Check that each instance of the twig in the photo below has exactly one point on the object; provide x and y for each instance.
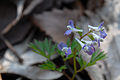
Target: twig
(20, 5)
(11, 47)
(67, 75)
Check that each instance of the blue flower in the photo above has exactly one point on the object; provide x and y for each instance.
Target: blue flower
(63, 47)
(97, 38)
(88, 42)
(71, 28)
(98, 41)
(99, 29)
(96, 28)
(88, 48)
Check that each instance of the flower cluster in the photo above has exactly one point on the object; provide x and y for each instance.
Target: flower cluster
(98, 33)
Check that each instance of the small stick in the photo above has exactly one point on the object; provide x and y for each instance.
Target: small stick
(20, 6)
(11, 47)
(67, 75)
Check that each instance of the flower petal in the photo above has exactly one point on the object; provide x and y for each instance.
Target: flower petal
(71, 23)
(98, 43)
(61, 45)
(76, 30)
(103, 34)
(68, 52)
(68, 32)
(101, 25)
(91, 50)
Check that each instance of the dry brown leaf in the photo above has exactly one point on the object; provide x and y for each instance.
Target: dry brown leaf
(54, 22)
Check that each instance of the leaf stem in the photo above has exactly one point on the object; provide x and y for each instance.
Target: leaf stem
(75, 69)
(80, 69)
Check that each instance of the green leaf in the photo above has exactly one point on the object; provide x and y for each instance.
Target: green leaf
(68, 42)
(48, 66)
(101, 56)
(91, 63)
(81, 61)
(91, 37)
(68, 57)
(37, 50)
(80, 33)
(62, 53)
(75, 45)
(94, 55)
(45, 48)
(61, 68)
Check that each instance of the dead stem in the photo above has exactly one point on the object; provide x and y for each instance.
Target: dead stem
(67, 75)
(11, 47)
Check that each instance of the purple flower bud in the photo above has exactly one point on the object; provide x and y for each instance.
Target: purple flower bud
(101, 24)
(102, 34)
(63, 47)
(71, 23)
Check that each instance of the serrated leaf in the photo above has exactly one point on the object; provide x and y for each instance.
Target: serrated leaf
(94, 55)
(36, 50)
(101, 57)
(61, 68)
(81, 61)
(48, 66)
(45, 48)
(91, 63)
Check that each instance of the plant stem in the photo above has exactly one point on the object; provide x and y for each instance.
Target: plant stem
(74, 75)
(80, 70)
(85, 35)
(75, 69)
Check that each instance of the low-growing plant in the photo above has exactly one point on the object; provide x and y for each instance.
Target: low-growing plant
(73, 48)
